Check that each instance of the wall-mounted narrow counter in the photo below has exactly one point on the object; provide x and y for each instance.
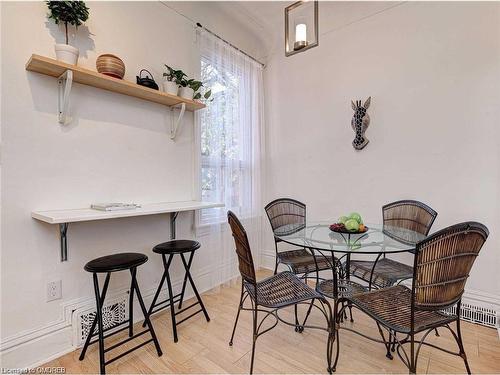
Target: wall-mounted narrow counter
(64, 217)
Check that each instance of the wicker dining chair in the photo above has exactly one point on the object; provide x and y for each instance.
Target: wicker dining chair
(287, 215)
(404, 214)
(279, 291)
(441, 267)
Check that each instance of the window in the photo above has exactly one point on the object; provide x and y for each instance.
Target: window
(225, 172)
(230, 131)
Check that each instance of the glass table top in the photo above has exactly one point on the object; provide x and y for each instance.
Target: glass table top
(378, 239)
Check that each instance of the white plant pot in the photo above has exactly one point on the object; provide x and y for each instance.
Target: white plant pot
(186, 92)
(170, 87)
(67, 54)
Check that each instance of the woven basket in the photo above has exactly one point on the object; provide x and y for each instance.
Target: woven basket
(110, 65)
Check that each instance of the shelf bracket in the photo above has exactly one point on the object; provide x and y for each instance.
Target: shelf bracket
(63, 230)
(173, 217)
(64, 82)
(175, 123)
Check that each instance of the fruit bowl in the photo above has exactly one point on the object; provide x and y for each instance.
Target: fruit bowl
(340, 228)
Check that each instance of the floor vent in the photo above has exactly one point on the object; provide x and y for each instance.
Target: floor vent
(114, 313)
(476, 314)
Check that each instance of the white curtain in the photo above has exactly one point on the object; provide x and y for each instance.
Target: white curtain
(230, 148)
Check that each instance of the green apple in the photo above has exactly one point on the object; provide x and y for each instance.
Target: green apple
(356, 217)
(352, 225)
(342, 219)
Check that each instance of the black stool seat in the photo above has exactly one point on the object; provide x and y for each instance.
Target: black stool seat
(116, 262)
(176, 247)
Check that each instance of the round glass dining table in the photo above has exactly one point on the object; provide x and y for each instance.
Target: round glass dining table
(337, 249)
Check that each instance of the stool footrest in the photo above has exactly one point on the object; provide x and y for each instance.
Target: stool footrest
(167, 301)
(189, 316)
(110, 328)
(125, 341)
(109, 335)
(128, 351)
(186, 308)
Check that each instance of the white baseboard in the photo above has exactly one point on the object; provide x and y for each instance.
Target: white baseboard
(35, 347)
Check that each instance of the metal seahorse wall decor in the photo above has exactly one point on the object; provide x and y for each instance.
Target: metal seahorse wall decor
(360, 122)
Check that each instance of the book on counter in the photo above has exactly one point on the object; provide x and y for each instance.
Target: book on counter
(114, 206)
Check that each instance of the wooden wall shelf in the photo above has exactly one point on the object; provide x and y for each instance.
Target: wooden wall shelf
(54, 68)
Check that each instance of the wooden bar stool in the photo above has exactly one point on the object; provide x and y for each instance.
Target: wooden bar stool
(171, 248)
(108, 264)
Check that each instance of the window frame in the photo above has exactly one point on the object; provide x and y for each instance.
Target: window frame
(215, 216)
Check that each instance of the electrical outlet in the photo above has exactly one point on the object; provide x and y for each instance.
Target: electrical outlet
(54, 290)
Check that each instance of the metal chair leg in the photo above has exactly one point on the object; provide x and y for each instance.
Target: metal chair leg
(185, 281)
(133, 272)
(387, 343)
(94, 323)
(193, 286)
(170, 295)
(237, 314)
(131, 311)
(461, 346)
(254, 338)
(296, 318)
(301, 327)
(394, 341)
(349, 305)
(412, 368)
(102, 360)
(157, 294)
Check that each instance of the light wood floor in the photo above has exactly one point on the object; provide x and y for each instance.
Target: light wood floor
(203, 347)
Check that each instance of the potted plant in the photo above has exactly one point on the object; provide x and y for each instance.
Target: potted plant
(185, 91)
(197, 87)
(171, 79)
(68, 13)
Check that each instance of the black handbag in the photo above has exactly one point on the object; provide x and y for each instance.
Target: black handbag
(146, 81)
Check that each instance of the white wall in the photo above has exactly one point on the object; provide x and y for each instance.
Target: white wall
(433, 71)
(116, 149)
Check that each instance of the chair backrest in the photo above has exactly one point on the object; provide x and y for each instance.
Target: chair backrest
(408, 214)
(286, 212)
(443, 262)
(245, 259)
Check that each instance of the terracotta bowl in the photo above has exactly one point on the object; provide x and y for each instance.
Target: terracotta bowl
(110, 65)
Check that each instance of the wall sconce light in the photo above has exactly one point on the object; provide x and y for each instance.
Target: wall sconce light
(301, 27)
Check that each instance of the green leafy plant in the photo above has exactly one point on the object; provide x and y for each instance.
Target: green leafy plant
(68, 12)
(181, 78)
(184, 81)
(197, 86)
(174, 75)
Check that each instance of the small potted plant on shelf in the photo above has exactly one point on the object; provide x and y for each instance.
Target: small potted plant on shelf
(171, 80)
(192, 89)
(68, 13)
(185, 91)
(197, 87)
